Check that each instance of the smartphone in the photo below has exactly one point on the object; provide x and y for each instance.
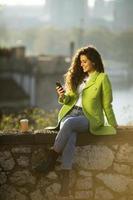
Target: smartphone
(58, 84)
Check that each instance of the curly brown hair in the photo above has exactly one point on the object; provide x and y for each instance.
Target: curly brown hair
(75, 73)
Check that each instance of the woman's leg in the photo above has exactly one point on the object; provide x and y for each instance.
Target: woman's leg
(68, 152)
(66, 158)
(66, 138)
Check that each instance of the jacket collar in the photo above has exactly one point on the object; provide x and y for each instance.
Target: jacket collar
(89, 82)
(92, 79)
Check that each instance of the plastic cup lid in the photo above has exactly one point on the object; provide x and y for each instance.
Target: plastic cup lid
(24, 120)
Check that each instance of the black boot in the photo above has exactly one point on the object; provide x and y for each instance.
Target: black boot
(48, 165)
(65, 182)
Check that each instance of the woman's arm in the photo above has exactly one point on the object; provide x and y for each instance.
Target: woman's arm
(64, 100)
(107, 99)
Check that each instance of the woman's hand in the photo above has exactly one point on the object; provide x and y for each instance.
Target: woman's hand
(60, 91)
(116, 126)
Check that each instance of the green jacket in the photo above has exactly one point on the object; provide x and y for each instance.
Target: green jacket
(96, 99)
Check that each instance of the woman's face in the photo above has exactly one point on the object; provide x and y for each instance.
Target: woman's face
(86, 64)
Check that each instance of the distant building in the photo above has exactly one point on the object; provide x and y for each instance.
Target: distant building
(67, 13)
(29, 81)
(123, 14)
(99, 9)
(116, 15)
(17, 80)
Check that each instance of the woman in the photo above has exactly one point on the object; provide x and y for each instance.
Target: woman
(86, 96)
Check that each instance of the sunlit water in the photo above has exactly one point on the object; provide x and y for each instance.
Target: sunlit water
(123, 106)
(122, 86)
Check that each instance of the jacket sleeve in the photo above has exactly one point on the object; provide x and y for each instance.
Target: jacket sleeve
(107, 99)
(64, 100)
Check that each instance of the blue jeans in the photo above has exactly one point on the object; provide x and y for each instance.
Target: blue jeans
(73, 123)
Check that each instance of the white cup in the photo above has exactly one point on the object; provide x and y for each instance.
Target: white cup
(24, 125)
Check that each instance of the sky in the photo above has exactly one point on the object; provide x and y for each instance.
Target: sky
(34, 2)
(22, 2)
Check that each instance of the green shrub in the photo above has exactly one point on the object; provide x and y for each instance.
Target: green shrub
(38, 119)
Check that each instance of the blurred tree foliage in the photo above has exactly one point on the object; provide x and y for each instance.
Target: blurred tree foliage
(38, 119)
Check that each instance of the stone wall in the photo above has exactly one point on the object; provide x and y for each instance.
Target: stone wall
(102, 168)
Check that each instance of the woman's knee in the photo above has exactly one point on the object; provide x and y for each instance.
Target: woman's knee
(68, 123)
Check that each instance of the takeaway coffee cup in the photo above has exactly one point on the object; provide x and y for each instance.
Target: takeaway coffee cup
(24, 125)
